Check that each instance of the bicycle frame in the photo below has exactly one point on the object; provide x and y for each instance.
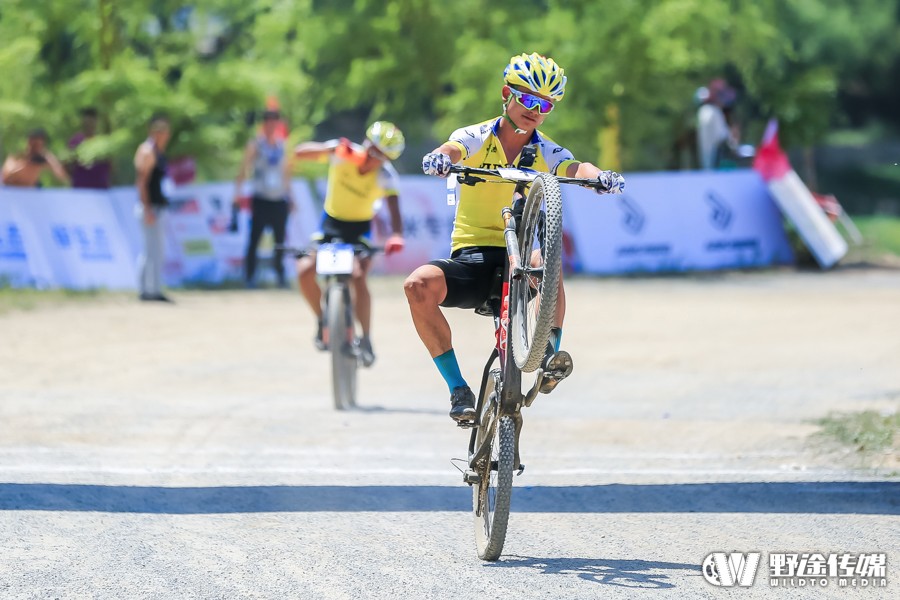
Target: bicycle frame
(509, 380)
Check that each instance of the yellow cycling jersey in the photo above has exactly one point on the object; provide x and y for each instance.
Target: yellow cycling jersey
(352, 195)
(478, 221)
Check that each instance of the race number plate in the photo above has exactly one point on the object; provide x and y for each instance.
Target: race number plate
(452, 190)
(334, 259)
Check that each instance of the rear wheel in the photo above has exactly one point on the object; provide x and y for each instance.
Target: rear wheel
(533, 297)
(491, 495)
(343, 354)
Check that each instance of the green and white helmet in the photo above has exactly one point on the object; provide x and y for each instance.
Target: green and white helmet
(387, 137)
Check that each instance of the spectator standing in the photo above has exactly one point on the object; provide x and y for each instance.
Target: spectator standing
(714, 136)
(24, 170)
(97, 174)
(271, 202)
(150, 165)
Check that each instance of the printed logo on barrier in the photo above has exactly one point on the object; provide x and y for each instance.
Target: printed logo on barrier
(11, 244)
(634, 218)
(721, 213)
(91, 243)
(728, 570)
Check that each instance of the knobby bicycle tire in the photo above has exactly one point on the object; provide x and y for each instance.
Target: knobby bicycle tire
(492, 495)
(343, 362)
(534, 298)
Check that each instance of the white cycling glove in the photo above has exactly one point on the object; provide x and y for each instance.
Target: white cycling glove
(612, 183)
(436, 163)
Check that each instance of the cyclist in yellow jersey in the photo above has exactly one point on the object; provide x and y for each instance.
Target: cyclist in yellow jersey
(533, 84)
(358, 176)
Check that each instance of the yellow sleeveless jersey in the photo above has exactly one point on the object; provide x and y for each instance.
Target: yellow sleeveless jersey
(352, 195)
(478, 221)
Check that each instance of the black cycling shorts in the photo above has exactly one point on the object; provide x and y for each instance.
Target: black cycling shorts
(349, 232)
(469, 275)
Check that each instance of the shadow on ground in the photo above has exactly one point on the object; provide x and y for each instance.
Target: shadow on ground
(881, 498)
(624, 573)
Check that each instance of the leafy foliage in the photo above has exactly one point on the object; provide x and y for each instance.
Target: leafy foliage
(433, 67)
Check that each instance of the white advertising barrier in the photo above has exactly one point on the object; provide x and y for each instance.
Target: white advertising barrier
(202, 246)
(665, 222)
(427, 224)
(76, 234)
(675, 222)
(23, 261)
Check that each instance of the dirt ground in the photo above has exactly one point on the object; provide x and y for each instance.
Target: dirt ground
(161, 445)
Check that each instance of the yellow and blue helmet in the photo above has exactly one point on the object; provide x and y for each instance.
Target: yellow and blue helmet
(387, 137)
(538, 73)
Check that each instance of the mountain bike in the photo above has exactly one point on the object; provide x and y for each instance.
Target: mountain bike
(523, 307)
(335, 262)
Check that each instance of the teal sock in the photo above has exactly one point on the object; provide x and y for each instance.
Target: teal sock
(556, 338)
(449, 368)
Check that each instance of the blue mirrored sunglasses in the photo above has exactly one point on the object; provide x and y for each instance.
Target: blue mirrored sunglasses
(530, 101)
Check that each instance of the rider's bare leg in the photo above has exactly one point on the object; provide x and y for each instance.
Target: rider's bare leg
(362, 300)
(560, 305)
(309, 287)
(537, 261)
(425, 289)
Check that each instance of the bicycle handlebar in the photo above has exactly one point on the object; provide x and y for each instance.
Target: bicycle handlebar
(470, 176)
(363, 250)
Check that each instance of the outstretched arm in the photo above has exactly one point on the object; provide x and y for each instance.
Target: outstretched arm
(613, 182)
(315, 150)
(450, 150)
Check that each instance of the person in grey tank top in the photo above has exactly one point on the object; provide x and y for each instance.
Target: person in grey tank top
(269, 167)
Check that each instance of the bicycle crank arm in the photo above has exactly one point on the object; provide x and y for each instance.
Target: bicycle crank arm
(533, 392)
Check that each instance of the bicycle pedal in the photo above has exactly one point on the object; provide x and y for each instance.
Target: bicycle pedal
(465, 424)
(521, 469)
(471, 477)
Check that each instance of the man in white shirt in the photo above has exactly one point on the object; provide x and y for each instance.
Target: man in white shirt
(712, 127)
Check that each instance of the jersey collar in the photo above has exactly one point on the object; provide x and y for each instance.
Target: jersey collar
(495, 129)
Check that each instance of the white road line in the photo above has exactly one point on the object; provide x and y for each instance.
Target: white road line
(408, 472)
(224, 453)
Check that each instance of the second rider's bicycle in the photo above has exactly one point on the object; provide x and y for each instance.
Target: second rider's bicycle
(523, 307)
(335, 263)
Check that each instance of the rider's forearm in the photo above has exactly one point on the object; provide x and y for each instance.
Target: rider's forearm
(584, 170)
(314, 150)
(450, 150)
(393, 203)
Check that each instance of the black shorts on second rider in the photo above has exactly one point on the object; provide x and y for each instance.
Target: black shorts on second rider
(469, 274)
(349, 232)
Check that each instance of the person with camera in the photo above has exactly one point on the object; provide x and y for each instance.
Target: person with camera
(24, 170)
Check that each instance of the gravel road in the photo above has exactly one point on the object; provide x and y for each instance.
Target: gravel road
(191, 451)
